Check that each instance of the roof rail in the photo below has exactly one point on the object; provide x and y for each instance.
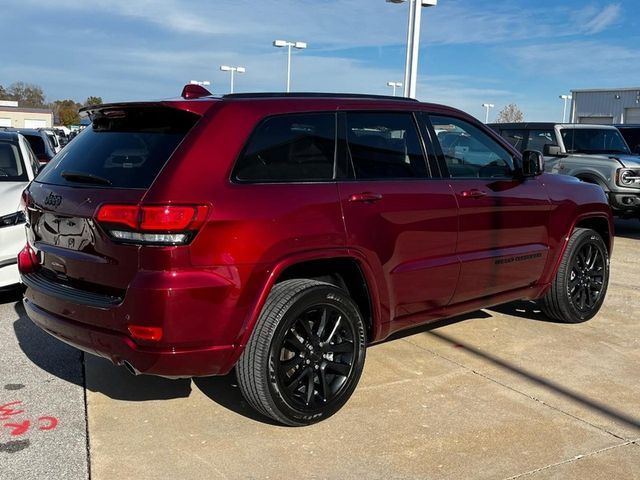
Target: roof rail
(316, 95)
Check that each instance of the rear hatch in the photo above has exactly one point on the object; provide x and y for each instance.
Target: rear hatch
(113, 162)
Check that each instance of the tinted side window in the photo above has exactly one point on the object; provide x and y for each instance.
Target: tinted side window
(539, 138)
(37, 144)
(469, 152)
(11, 166)
(384, 145)
(516, 138)
(295, 147)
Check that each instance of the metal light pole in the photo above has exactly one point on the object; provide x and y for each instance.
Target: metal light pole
(487, 106)
(284, 43)
(564, 110)
(413, 43)
(226, 68)
(204, 83)
(394, 85)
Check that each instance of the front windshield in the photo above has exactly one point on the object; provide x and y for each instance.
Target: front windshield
(11, 165)
(593, 140)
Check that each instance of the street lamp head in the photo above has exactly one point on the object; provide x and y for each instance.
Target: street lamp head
(279, 43)
(300, 45)
(488, 105)
(565, 97)
(225, 68)
(424, 3)
(241, 69)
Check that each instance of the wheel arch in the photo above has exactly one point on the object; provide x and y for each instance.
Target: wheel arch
(594, 178)
(343, 272)
(338, 267)
(599, 222)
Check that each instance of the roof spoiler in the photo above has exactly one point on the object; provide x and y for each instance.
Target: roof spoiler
(192, 90)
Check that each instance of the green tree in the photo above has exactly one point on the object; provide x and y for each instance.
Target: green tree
(510, 114)
(27, 95)
(65, 112)
(93, 101)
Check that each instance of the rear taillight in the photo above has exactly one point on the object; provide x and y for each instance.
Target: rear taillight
(141, 332)
(27, 260)
(152, 224)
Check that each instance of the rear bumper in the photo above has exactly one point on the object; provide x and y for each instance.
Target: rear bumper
(119, 348)
(200, 314)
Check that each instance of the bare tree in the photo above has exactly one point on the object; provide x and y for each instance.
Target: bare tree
(26, 94)
(510, 114)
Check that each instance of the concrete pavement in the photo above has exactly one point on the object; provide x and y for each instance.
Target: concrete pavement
(42, 402)
(500, 393)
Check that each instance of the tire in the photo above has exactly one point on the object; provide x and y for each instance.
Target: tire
(580, 285)
(305, 355)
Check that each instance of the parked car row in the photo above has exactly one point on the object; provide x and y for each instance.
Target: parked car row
(595, 154)
(281, 234)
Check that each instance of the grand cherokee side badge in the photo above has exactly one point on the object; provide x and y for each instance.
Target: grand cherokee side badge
(53, 200)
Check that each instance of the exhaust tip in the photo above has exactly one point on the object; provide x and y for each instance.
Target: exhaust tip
(130, 368)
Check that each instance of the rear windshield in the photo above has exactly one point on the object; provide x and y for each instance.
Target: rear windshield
(11, 164)
(124, 148)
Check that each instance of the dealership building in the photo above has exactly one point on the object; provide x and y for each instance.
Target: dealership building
(11, 115)
(612, 106)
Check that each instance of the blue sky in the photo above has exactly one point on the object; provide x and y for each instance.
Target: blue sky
(472, 51)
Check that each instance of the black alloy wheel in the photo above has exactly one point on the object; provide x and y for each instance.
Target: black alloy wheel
(315, 357)
(580, 285)
(587, 276)
(306, 353)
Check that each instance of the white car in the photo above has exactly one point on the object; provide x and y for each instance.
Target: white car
(18, 166)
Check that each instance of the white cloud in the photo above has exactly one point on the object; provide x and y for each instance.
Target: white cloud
(597, 60)
(592, 20)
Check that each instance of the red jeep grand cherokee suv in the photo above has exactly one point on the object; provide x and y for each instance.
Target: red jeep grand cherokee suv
(282, 234)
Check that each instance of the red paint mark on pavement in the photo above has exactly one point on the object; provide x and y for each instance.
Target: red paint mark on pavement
(18, 428)
(6, 411)
(50, 423)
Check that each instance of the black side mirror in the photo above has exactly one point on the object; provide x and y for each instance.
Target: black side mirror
(532, 163)
(550, 150)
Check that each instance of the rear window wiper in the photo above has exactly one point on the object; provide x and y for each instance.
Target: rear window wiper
(81, 177)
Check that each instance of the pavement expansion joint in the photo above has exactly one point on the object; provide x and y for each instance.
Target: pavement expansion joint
(86, 412)
(569, 460)
(515, 390)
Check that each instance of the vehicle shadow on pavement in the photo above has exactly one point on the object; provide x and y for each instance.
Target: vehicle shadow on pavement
(629, 228)
(53, 356)
(224, 391)
(44, 351)
(118, 384)
(540, 381)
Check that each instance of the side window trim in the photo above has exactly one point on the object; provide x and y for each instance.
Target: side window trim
(440, 164)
